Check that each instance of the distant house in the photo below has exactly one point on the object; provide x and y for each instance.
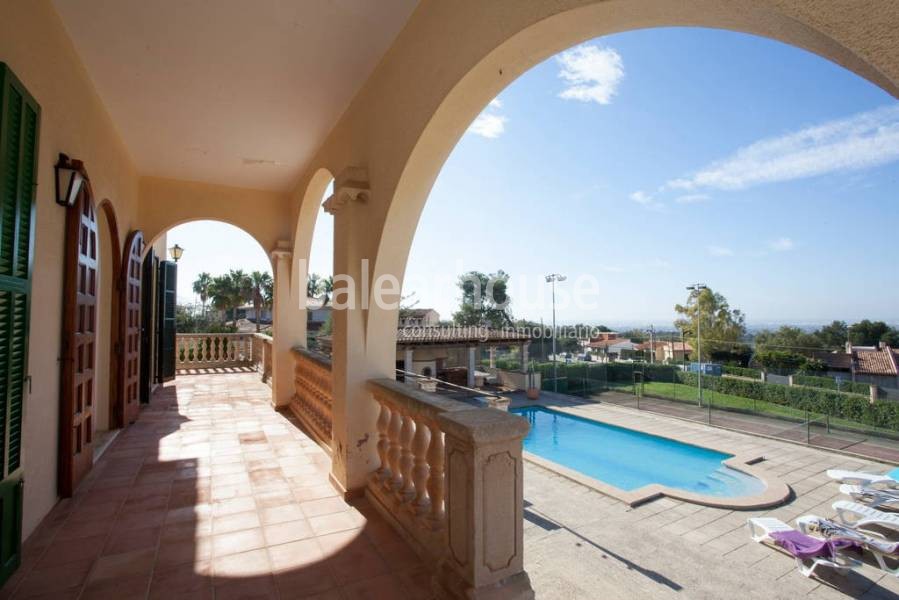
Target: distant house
(877, 365)
(608, 346)
(666, 352)
(419, 317)
(316, 315)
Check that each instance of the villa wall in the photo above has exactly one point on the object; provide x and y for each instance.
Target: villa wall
(35, 45)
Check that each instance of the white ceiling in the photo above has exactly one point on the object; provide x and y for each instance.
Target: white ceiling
(237, 92)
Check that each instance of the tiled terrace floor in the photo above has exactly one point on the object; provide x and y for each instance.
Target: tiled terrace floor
(212, 494)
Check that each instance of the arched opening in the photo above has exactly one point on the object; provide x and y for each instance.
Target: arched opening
(214, 303)
(313, 260)
(106, 419)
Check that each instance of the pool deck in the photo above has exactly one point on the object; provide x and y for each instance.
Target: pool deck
(581, 543)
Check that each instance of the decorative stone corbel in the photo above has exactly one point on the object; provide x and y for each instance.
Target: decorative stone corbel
(350, 185)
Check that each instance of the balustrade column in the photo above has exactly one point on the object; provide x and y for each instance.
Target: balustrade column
(420, 468)
(436, 475)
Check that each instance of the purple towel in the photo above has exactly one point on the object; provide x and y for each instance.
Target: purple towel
(805, 546)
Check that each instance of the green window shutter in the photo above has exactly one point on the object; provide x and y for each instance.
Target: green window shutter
(19, 134)
(167, 284)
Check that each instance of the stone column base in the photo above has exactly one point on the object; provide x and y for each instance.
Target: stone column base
(447, 585)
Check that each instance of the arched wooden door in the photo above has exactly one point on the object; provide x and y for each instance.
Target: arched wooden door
(130, 326)
(79, 344)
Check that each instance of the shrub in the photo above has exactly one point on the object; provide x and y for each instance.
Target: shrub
(853, 407)
(829, 383)
(742, 372)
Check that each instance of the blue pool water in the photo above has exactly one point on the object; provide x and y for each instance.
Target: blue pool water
(629, 459)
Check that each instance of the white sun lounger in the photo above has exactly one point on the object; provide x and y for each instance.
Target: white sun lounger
(863, 517)
(873, 497)
(761, 528)
(871, 480)
(880, 548)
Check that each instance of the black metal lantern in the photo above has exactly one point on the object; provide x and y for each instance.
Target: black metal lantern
(69, 180)
(175, 252)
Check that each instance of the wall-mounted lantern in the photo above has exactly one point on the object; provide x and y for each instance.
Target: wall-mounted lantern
(175, 252)
(70, 177)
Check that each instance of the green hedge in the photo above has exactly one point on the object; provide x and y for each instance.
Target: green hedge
(742, 372)
(829, 383)
(854, 407)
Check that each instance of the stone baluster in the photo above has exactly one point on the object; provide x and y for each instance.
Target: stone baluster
(394, 449)
(383, 442)
(436, 483)
(420, 468)
(407, 492)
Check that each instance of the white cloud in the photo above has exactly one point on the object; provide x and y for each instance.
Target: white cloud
(783, 244)
(591, 73)
(856, 142)
(692, 198)
(647, 200)
(720, 251)
(488, 126)
(641, 197)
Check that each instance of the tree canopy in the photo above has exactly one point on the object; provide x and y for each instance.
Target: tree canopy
(485, 301)
(709, 313)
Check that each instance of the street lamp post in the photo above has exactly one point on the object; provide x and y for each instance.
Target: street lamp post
(698, 287)
(175, 252)
(552, 278)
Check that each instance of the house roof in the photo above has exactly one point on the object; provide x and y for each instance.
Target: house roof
(839, 361)
(675, 346)
(875, 361)
(457, 335)
(623, 342)
(418, 312)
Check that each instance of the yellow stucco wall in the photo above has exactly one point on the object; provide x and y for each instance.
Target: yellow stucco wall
(34, 44)
(165, 203)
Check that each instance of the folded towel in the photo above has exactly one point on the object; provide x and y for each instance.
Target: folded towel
(805, 546)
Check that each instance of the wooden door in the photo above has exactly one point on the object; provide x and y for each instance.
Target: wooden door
(19, 135)
(148, 332)
(79, 344)
(130, 326)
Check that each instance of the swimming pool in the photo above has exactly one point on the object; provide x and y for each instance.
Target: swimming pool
(628, 459)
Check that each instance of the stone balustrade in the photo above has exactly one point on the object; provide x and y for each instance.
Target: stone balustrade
(450, 481)
(313, 395)
(213, 350)
(262, 356)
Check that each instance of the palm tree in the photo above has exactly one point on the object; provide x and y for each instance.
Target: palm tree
(313, 285)
(327, 288)
(230, 291)
(261, 284)
(202, 288)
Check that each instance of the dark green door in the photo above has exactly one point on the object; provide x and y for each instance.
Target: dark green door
(19, 133)
(167, 282)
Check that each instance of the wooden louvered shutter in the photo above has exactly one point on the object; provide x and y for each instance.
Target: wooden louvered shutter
(168, 281)
(19, 133)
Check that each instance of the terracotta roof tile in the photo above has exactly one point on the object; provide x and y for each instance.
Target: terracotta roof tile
(875, 362)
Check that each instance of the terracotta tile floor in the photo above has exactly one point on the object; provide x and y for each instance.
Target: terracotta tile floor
(212, 494)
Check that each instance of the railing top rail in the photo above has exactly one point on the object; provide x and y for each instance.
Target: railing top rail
(263, 337)
(313, 356)
(228, 335)
(470, 423)
(447, 384)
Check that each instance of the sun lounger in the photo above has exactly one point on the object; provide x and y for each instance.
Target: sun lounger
(871, 480)
(873, 497)
(881, 549)
(864, 517)
(809, 552)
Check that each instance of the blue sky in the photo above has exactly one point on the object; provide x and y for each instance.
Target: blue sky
(653, 159)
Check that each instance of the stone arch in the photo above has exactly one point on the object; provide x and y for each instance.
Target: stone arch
(308, 213)
(149, 241)
(510, 39)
